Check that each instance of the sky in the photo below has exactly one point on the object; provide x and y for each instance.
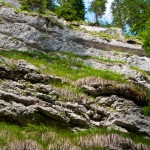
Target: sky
(107, 16)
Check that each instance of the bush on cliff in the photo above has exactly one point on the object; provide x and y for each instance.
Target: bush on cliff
(30, 5)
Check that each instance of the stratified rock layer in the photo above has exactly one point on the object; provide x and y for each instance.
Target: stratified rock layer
(27, 97)
(23, 31)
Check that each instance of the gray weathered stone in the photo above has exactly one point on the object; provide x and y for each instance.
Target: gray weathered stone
(27, 99)
(22, 31)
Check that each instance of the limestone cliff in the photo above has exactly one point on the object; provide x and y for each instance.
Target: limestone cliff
(52, 73)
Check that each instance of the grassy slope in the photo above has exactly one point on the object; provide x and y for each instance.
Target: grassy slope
(67, 66)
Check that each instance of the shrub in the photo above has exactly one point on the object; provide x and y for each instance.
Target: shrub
(66, 11)
(71, 9)
(30, 5)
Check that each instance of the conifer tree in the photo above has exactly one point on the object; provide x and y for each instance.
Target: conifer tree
(71, 9)
(98, 7)
(51, 5)
(80, 8)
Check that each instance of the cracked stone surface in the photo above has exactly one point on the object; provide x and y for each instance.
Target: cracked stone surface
(26, 101)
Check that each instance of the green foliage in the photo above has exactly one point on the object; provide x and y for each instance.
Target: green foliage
(30, 5)
(50, 4)
(146, 109)
(5, 4)
(146, 38)
(102, 59)
(125, 12)
(138, 15)
(98, 7)
(80, 9)
(66, 11)
(119, 13)
(71, 9)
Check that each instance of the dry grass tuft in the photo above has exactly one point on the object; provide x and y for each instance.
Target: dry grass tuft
(109, 142)
(69, 95)
(63, 144)
(26, 145)
(48, 136)
(107, 87)
(95, 80)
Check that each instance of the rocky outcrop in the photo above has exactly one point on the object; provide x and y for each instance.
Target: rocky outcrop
(25, 100)
(112, 31)
(23, 31)
(135, 76)
(30, 106)
(13, 69)
(95, 87)
(28, 96)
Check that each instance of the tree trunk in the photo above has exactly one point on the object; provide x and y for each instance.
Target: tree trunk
(96, 17)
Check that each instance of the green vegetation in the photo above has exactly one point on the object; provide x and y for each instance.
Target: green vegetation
(101, 59)
(67, 66)
(70, 67)
(146, 109)
(37, 5)
(139, 70)
(102, 35)
(98, 7)
(126, 13)
(146, 37)
(68, 9)
(109, 60)
(71, 9)
(31, 5)
(5, 4)
(56, 138)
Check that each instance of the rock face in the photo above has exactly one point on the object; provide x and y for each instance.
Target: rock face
(14, 3)
(113, 31)
(28, 96)
(25, 100)
(134, 75)
(23, 31)
(95, 87)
